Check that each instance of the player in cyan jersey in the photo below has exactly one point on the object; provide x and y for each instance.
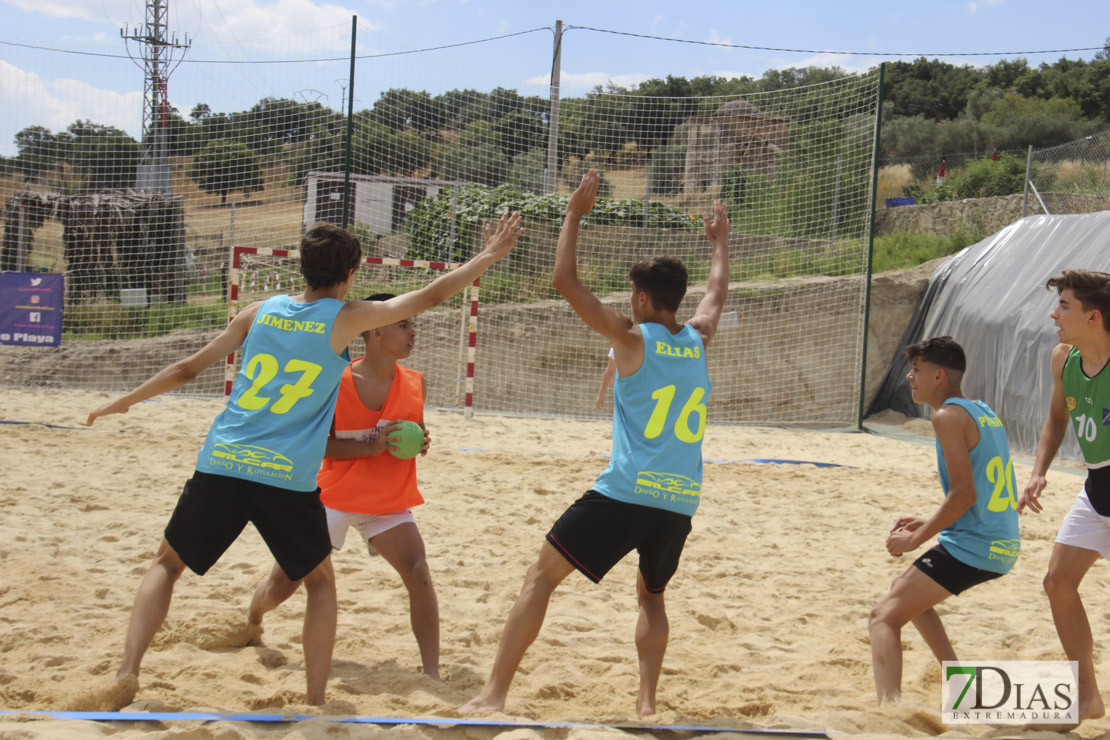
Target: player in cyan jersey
(977, 523)
(1081, 393)
(644, 500)
(260, 459)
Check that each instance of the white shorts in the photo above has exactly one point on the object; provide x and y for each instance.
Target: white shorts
(1085, 528)
(369, 525)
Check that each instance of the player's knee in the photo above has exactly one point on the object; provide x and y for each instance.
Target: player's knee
(416, 574)
(1057, 586)
(881, 613)
(322, 576)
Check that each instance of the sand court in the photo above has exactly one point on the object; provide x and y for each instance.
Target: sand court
(768, 610)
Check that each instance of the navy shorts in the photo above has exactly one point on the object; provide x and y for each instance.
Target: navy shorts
(597, 531)
(953, 575)
(214, 509)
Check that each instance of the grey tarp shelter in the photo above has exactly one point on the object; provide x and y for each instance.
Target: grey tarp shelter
(991, 298)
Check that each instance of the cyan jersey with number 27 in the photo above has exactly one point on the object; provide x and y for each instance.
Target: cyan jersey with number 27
(659, 415)
(275, 426)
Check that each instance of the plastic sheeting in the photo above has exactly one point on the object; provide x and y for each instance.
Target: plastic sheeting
(991, 298)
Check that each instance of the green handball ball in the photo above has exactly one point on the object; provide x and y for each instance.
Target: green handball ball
(410, 443)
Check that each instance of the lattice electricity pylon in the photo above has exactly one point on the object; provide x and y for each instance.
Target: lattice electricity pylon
(157, 64)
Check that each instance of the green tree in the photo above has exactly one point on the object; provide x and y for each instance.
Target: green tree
(37, 150)
(518, 132)
(223, 166)
(104, 157)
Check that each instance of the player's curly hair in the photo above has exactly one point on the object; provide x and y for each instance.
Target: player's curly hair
(663, 279)
(1091, 289)
(328, 253)
(940, 351)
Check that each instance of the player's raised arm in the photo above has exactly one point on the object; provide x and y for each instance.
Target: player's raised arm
(359, 316)
(599, 317)
(184, 371)
(708, 314)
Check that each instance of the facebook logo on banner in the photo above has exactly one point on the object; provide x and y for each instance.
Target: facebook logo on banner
(31, 308)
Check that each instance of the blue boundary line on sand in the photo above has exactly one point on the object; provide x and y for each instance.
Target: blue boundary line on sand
(440, 721)
(37, 424)
(767, 460)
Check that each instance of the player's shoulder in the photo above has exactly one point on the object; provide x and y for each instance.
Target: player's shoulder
(950, 417)
(1060, 355)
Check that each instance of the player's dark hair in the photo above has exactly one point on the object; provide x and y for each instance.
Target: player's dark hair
(328, 253)
(1091, 289)
(663, 279)
(380, 297)
(940, 351)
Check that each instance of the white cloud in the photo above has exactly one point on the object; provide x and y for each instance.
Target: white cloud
(573, 84)
(974, 6)
(716, 38)
(846, 62)
(28, 99)
(65, 8)
(656, 21)
(257, 25)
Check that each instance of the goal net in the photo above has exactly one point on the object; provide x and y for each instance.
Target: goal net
(436, 148)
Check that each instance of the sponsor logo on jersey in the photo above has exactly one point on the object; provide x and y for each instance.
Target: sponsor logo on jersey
(258, 457)
(1071, 403)
(1005, 548)
(1105, 417)
(668, 483)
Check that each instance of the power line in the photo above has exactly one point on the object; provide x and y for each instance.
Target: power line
(579, 28)
(845, 53)
(288, 61)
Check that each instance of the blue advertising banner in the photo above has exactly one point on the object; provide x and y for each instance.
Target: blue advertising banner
(31, 308)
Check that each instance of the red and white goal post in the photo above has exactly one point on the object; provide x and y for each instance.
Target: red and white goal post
(257, 273)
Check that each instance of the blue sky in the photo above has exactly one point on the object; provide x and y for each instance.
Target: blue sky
(53, 89)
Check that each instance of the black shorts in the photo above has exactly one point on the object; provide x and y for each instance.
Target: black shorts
(214, 509)
(597, 531)
(952, 575)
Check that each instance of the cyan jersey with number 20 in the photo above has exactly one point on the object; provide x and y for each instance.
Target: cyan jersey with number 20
(658, 424)
(986, 535)
(275, 426)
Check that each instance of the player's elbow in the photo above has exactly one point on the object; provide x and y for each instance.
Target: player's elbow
(184, 371)
(963, 497)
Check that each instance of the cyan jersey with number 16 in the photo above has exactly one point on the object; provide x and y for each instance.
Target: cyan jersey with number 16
(658, 424)
(275, 426)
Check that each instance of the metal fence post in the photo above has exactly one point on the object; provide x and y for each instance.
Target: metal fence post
(1028, 172)
(350, 127)
(553, 115)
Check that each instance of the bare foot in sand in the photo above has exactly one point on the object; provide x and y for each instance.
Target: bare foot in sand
(483, 703)
(109, 697)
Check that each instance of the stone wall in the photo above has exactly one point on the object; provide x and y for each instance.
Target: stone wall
(981, 215)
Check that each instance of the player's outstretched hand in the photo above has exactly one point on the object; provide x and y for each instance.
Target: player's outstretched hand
(716, 231)
(112, 407)
(582, 200)
(501, 242)
(1031, 496)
